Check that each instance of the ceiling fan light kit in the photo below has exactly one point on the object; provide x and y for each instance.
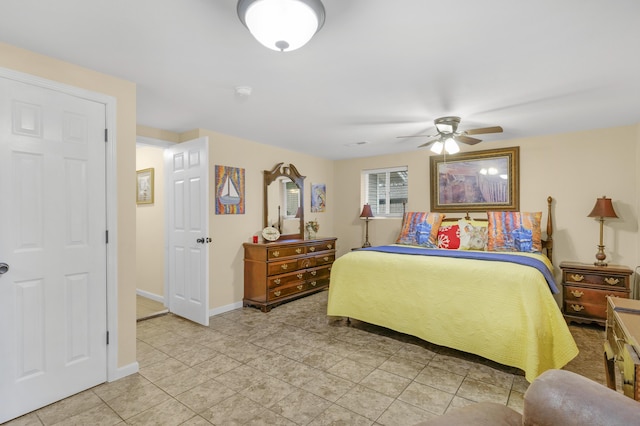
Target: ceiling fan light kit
(282, 25)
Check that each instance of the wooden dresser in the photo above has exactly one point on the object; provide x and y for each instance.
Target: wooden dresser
(586, 286)
(284, 270)
(622, 344)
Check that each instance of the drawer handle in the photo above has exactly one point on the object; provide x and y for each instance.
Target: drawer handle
(285, 266)
(312, 249)
(577, 277)
(611, 280)
(313, 283)
(299, 276)
(298, 250)
(326, 258)
(314, 273)
(577, 293)
(299, 287)
(276, 253)
(277, 293)
(329, 246)
(577, 308)
(277, 281)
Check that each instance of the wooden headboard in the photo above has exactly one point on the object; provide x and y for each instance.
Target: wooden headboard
(547, 244)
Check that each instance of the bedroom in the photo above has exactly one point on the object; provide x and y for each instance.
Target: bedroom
(573, 167)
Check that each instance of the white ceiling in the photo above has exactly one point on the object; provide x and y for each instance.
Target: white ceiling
(377, 69)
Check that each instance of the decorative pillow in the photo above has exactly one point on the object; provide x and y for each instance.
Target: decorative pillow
(420, 229)
(449, 237)
(473, 235)
(515, 231)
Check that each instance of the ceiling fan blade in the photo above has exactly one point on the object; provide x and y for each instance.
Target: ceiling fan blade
(467, 140)
(416, 136)
(483, 130)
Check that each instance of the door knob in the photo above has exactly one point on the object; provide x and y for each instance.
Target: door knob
(200, 241)
(4, 268)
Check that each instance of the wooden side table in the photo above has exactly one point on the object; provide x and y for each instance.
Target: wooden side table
(586, 286)
(621, 345)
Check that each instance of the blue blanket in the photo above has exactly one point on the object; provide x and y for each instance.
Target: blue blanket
(478, 255)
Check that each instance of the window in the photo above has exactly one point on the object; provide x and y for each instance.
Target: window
(292, 198)
(386, 190)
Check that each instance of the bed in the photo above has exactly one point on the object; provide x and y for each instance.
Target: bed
(498, 305)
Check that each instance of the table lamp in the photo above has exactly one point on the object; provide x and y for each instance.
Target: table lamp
(366, 214)
(602, 209)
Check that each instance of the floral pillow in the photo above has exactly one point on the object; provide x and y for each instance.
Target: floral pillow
(420, 229)
(473, 235)
(449, 237)
(515, 231)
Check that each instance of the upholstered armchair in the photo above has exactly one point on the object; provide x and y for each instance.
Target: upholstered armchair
(556, 397)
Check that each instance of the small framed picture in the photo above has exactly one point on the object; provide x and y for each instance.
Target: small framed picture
(144, 186)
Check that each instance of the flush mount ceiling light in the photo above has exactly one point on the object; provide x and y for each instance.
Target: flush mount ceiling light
(282, 25)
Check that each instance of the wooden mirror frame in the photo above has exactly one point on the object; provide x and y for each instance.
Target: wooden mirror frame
(290, 171)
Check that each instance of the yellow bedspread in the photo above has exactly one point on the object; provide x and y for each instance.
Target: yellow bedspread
(501, 311)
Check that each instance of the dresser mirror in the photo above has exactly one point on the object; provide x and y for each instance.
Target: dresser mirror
(284, 201)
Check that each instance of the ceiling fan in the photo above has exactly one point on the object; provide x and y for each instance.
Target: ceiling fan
(448, 135)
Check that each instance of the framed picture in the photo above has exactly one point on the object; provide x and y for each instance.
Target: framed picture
(230, 194)
(476, 181)
(318, 197)
(144, 186)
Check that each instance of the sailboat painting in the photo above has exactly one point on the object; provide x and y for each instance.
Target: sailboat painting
(229, 190)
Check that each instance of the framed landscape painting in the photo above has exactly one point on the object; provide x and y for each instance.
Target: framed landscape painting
(476, 181)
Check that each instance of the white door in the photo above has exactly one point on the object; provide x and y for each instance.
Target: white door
(52, 241)
(187, 177)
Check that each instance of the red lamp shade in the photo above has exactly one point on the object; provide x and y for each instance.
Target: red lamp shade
(366, 211)
(603, 208)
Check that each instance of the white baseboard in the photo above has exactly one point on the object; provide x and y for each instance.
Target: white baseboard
(121, 372)
(151, 296)
(223, 309)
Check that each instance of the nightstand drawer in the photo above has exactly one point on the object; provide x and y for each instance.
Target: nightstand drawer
(590, 295)
(602, 280)
(587, 310)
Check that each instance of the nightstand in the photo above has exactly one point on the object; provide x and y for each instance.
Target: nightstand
(586, 286)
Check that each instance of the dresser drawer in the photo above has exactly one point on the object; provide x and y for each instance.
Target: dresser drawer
(286, 279)
(275, 268)
(320, 272)
(284, 252)
(326, 258)
(289, 290)
(587, 310)
(590, 295)
(319, 247)
(608, 280)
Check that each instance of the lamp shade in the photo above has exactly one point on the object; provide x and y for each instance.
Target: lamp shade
(366, 211)
(282, 25)
(603, 208)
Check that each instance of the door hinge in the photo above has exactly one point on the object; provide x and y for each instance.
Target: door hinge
(106, 236)
(107, 337)
(106, 135)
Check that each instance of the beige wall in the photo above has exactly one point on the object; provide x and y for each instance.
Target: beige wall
(574, 168)
(125, 94)
(150, 226)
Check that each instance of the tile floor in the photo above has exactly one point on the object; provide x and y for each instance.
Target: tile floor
(294, 366)
(148, 308)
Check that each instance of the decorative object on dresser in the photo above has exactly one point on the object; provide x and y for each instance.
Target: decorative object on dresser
(366, 214)
(602, 209)
(586, 287)
(285, 270)
(622, 344)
